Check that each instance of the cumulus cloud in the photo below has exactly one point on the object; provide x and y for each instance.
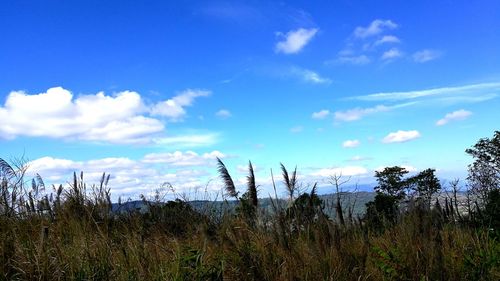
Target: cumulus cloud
(391, 54)
(295, 40)
(322, 114)
(466, 91)
(121, 118)
(223, 114)
(426, 55)
(374, 28)
(184, 170)
(57, 114)
(401, 136)
(454, 116)
(351, 143)
(174, 108)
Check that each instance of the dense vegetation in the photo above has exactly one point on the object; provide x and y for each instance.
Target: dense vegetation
(407, 233)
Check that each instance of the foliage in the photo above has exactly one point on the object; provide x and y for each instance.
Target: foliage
(384, 209)
(484, 172)
(425, 184)
(391, 182)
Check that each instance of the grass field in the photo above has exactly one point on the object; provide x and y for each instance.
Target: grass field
(73, 234)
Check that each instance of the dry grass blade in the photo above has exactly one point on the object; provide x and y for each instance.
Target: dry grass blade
(290, 182)
(226, 177)
(252, 188)
(6, 169)
(39, 181)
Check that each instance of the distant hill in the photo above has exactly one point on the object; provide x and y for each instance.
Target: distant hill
(356, 199)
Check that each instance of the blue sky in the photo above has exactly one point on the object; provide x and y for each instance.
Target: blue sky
(152, 92)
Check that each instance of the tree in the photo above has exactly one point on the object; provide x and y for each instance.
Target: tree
(425, 184)
(391, 181)
(484, 172)
(384, 208)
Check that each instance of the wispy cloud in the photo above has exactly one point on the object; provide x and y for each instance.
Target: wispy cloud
(460, 91)
(296, 129)
(426, 55)
(358, 158)
(349, 59)
(454, 116)
(322, 114)
(232, 11)
(223, 114)
(351, 143)
(193, 140)
(374, 28)
(391, 54)
(366, 43)
(401, 136)
(295, 40)
(386, 39)
(344, 171)
(187, 158)
(358, 112)
(309, 76)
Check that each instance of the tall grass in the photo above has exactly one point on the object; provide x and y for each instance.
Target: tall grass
(72, 234)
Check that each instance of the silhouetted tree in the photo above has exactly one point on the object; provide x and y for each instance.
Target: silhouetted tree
(484, 173)
(425, 184)
(384, 208)
(391, 181)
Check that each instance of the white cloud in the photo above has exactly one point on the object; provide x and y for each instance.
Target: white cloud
(386, 39)
(322, 114)
(344, 171)
(391, 54)
(454, 116)
(194, 140)
(460, 91)
(401, 136)
(355, 60)
(351, 143)
(174, 108)
(358, 113)
(120, 118)
(295, 40)
(57, 114)
(358, 158)
(309, 76)
(223, 114)
(426, 55)
(179, 158)
(296, 129)
(184, 170)
(376, 27)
